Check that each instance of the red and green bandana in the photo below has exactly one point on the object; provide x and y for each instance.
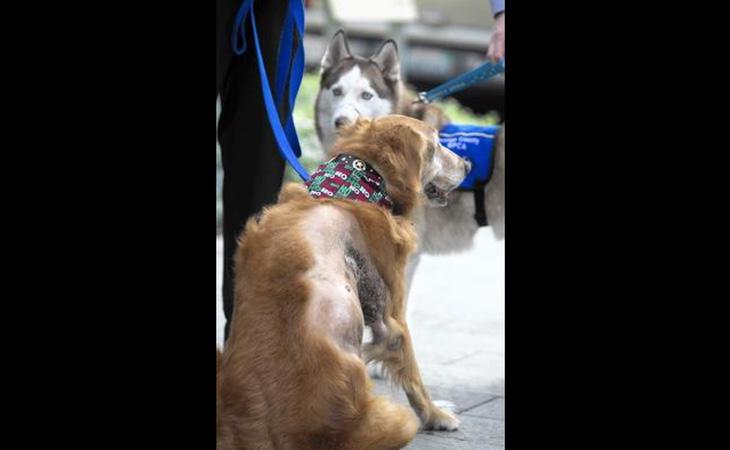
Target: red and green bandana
(346, 176)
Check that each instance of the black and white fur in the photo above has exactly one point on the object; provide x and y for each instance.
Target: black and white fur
(352, 87)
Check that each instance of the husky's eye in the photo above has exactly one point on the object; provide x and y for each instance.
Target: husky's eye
(366, 95)
(337, 92)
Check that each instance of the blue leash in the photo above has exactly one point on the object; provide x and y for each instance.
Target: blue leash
(285, 135)
(463, 81)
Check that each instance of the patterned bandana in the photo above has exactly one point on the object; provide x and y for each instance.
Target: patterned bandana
(346, 176)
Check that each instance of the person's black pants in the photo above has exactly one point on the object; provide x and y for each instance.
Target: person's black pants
(252, 167)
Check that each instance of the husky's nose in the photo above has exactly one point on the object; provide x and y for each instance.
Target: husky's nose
(341, 121)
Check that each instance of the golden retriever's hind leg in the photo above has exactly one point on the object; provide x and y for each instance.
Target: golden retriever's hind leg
(385, 426)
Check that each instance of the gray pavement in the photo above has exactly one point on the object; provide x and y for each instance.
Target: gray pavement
(456, 317)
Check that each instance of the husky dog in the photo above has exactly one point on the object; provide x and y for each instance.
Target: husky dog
(352, 86)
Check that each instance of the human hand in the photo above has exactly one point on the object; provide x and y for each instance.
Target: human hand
(496, 43)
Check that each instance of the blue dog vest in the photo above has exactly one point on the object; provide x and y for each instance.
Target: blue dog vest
(474, 143)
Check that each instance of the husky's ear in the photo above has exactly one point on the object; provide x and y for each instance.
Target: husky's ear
(386, 57)
(336, 51)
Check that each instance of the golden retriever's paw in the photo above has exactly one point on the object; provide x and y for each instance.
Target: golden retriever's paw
(442, 417)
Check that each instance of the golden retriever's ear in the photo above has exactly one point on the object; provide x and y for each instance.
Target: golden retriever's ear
(406, 157)
(409, 141)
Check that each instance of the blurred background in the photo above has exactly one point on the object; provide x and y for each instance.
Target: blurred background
(437, 40)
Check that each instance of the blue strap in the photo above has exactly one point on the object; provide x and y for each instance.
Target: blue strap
(285, 49)
(463, 81)
(296, 10)
(287, 141)
(296, 13)
(283, 69)
(239, 47)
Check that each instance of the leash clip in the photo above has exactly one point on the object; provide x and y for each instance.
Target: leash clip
(423, 98)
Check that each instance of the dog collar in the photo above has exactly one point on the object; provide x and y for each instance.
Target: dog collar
(346, 176)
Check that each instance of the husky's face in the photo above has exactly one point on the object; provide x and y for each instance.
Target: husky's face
(353, 87)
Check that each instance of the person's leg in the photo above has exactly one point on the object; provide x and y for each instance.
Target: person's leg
(252, 167)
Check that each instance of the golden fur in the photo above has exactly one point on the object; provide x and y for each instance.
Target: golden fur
(292, 374)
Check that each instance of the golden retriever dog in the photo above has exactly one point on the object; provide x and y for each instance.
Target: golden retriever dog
(311, 274)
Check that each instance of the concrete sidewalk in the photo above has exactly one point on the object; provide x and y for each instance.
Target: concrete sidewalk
(456, 317)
